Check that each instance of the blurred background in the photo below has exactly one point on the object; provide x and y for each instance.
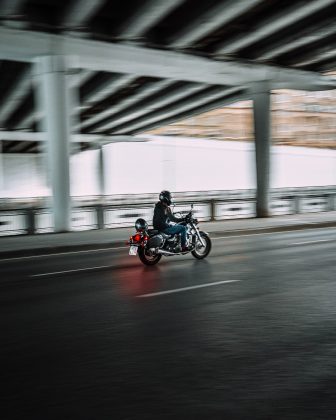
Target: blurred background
(303, 153)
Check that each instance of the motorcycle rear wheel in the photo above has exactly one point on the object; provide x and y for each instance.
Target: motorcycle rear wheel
(200, 251)
(148, 259)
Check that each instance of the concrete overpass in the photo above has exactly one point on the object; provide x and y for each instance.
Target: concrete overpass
(110, 68)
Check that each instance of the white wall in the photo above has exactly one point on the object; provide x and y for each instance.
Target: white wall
(177, 164)
(302, 166)
(23, 175)
(84, 173)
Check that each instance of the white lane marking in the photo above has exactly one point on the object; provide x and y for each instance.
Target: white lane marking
(284, 232)
(124, 247)
(63, 253)
(183, 289)
(71, 271)
(313, 242)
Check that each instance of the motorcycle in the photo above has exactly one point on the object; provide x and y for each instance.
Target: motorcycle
(150, 244)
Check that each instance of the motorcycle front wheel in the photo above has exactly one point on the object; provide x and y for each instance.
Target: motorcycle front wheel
(147, 259)
(201, 251)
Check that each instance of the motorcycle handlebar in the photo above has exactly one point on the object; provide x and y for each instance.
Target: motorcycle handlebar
(189, 218)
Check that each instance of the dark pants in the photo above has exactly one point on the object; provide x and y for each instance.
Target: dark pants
(173, 230)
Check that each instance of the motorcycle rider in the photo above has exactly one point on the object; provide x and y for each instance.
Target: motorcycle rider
(163, 214)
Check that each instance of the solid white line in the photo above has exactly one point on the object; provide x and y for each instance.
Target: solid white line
(313, 242)
(183, 289)
(71, 271)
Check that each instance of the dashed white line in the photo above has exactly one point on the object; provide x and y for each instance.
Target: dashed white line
(55, 254)
(71, 271)
(312, 242)
(183, 289)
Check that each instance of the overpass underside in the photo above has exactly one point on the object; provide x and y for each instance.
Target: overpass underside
(88, 72)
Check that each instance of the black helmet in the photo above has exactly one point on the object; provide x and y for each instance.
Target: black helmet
(141, 225)
(165, 197)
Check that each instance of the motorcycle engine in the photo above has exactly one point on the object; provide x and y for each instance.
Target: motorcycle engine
(172, 245)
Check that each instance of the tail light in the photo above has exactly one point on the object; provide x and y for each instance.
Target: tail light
(137, 237)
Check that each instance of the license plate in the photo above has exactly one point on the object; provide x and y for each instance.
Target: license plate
(133, 250)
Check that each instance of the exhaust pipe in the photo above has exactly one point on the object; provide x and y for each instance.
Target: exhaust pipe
(163, 252)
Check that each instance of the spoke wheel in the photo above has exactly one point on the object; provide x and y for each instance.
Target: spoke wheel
(201, 251)
(147, 258)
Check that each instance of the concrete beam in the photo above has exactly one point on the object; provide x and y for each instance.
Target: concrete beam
(127, 102)
(79, 12)
(79, 79)
(9, 8)
(323, 54)
(152, 105)
(103, 56)
(275, 23)
(197, 110)
(16, 95)
(18, 147)
(108, 87)
(175, 109)
(23, 136)
(30, 148)
(74, 82)
(151, 12)
(214, 18)
(328, 66)
(296, 41)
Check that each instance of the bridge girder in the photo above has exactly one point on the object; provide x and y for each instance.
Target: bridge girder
(128, 59)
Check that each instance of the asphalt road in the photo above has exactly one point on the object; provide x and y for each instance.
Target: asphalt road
(248, 333)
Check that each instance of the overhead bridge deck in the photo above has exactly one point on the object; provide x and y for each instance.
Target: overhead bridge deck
(112, 68)
(144, 64)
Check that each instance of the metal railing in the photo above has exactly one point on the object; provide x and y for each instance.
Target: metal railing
(32, 216)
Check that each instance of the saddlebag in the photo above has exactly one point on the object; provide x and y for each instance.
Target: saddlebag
(155, 241)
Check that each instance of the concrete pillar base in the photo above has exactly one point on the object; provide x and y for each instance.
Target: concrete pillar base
(262, 213)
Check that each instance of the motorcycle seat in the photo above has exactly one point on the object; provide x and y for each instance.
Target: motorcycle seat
(167, 235)
(152, 232)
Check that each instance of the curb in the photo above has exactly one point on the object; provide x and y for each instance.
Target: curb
(114, 244)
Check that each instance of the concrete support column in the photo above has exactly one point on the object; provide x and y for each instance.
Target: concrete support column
(331, 202)
(55, 103)
(262, 132)
(101, 171)
(2, 172)
(101, 185)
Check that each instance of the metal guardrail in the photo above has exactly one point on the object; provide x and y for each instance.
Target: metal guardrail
(88, 213)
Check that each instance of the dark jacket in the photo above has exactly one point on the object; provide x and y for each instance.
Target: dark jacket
(162, 215)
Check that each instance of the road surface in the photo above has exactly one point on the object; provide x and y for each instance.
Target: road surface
(248, 333)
